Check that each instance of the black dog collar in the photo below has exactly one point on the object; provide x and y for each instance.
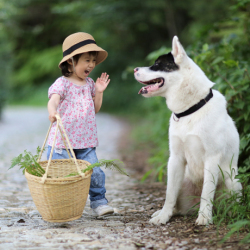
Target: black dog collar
(197, 106)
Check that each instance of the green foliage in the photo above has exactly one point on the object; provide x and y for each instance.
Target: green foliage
(114, 164)
(35, 31)
(155, 54)
(42, 62)
(239, 226)
(233, 208)
(223, 65)
(32, 96)
(38, 28)
(28, 162)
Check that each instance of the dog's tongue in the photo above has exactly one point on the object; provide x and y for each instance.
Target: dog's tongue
(147, 89)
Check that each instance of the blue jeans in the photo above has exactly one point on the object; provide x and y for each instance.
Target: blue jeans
(97, 184)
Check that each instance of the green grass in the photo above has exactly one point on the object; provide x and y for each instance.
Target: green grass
(233, 209)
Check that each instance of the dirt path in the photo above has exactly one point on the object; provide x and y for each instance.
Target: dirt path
(21, 226)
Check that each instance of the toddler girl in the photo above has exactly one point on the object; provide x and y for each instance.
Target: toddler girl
(76, 98)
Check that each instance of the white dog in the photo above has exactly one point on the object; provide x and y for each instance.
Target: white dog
(202, 137)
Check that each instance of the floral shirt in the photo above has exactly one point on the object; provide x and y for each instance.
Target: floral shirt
(77, 111)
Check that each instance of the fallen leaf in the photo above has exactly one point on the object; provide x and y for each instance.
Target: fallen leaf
(138, 244)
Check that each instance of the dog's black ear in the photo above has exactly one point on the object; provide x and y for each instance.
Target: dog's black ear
(177, 50)
(165, 63)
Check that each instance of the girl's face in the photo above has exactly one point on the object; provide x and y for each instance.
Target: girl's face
(84, 66)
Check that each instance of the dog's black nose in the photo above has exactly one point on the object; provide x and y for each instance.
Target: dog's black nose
(136, 69)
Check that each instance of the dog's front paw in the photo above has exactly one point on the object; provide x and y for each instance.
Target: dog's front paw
(156, 213)
(204, 220)
(160, 219)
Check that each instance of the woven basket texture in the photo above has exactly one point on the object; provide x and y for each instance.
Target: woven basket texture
(60, 198)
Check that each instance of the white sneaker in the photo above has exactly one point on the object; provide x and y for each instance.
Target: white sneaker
(102, 210)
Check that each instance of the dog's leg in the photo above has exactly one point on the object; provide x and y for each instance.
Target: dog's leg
(211, 175)
(176, 169)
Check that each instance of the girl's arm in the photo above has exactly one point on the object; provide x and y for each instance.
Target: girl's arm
(52, 106)
(98, 101)
(100, 85)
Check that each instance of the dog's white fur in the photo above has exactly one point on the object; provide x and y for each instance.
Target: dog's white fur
(199, 143)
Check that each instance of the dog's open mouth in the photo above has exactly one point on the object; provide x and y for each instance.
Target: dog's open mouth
(152, 85)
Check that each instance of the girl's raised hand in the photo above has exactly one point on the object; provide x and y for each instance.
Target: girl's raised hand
(102, 82)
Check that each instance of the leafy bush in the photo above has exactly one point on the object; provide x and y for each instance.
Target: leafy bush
(232, 77)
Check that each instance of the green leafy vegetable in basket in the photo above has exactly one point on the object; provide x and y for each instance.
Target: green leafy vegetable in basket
(29, 162)
(114, 164)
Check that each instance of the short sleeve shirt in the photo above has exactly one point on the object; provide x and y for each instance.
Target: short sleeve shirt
(77, 111)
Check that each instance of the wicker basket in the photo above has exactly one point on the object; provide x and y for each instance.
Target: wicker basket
(59, 198)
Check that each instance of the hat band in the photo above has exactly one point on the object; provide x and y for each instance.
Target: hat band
(77, 46)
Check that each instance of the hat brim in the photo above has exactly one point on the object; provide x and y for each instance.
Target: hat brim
(102, 54)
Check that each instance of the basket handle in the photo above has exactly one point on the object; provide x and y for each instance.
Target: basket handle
(62, 130)
(46, 138)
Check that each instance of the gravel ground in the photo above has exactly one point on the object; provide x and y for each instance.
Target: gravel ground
(22, 227)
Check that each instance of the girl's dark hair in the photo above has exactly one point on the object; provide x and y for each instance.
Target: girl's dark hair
(65, 66)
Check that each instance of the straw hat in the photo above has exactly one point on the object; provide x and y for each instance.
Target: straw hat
(81, 42)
